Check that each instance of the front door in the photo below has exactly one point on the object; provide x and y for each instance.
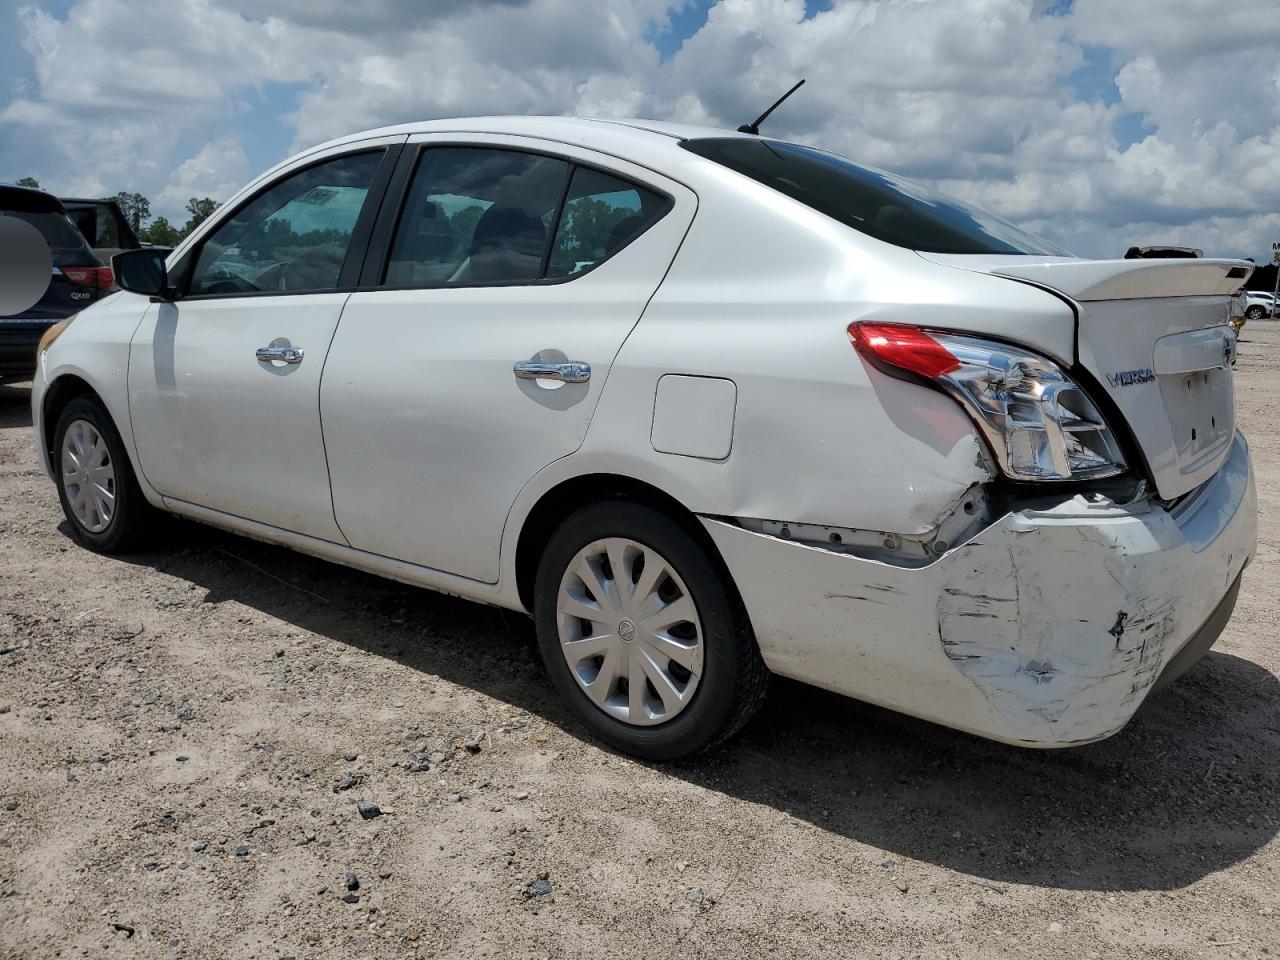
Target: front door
(224, 383)
(506, 263)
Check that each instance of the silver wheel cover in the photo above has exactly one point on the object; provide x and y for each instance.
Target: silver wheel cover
(88, 476)
(629, 631)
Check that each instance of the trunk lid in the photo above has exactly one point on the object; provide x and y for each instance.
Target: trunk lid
(1155, 334)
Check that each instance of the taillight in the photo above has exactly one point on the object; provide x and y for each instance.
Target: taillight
(1038, 422)
(903, 347)
(89, 276)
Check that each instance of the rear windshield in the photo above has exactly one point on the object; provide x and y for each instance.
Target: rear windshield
(879, 204)
(57, 230)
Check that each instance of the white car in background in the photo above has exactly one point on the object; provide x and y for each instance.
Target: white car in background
(1259, 304)
(708, 406)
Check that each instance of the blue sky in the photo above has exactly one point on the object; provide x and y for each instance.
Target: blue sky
(1096, 123)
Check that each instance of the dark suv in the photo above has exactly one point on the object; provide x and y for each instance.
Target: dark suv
(79, 278)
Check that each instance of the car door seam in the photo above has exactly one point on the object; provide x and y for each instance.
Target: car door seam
(128, 392)
(324, 448)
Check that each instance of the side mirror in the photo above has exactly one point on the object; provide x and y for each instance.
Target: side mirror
(142, 271)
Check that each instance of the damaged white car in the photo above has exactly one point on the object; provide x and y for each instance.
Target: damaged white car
(709, 406)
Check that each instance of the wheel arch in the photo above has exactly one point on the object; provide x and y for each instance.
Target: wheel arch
(570, 494)
(59, 393)
(70, 383)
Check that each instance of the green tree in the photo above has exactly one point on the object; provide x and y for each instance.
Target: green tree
(31, 182)
(463, 223)
(587, 225)
(136, 207)
(161, 232)
(200, 208)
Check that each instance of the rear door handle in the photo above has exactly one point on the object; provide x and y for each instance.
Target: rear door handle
(280, 354)
(570, 371)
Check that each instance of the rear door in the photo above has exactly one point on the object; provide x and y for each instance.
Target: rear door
(224, 383)
(509, 253)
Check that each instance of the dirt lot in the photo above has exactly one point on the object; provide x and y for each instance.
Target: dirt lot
(184, 736)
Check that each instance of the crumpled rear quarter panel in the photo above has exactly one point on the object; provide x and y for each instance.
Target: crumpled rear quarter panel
(1047, 629)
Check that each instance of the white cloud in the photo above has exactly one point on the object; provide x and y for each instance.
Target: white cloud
(218, 170)
(998, 101)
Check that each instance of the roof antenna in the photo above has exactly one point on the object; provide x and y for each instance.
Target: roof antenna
(754, 127)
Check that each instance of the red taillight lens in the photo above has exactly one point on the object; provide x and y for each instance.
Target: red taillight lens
(904, 347)
(89, 276)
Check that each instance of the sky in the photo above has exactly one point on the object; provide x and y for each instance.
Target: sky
(1098, 124)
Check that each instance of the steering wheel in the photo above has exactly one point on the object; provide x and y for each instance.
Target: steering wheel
(224, 282)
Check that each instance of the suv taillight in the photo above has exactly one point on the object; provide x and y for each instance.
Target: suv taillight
(99, 277)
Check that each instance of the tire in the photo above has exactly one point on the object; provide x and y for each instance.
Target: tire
(732, 680)
(1254, 313)
(131, 519)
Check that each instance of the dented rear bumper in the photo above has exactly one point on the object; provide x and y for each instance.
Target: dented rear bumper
(1049, 628)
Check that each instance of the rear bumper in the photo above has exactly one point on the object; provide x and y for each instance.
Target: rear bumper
(1047, 629)
(18, 342)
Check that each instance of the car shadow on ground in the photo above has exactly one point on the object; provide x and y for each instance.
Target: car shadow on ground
(1169, 800)
(1187, 789)
(15, 406)
(1183, 791)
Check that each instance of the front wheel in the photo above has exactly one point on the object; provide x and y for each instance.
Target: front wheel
(1254, 313)
(643, 633)
(99, 494)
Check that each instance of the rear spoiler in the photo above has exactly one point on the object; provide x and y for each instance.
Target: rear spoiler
(1084, 280)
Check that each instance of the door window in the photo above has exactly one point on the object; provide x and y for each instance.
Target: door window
(477, 216)
(292, 238)
(602, 214)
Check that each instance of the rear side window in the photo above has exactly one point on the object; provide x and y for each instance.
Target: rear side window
(878, 204)
(477, 216)
(293, 237)
(602, 214)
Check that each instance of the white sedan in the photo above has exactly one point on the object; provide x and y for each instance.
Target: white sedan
(1259, 304)
(709, 406)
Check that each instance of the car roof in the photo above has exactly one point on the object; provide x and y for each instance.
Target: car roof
(30, 199)
(102, 200)
(628, 138)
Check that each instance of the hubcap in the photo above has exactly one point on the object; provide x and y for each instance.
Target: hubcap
(88, 477)
(630, 632)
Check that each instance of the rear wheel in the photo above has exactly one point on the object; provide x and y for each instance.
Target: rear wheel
(643, 634)
(96, 485)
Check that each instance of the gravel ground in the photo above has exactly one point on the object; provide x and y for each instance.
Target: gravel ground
(186, 736)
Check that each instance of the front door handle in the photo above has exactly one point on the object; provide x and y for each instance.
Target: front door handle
(570, 371)
(280, 354)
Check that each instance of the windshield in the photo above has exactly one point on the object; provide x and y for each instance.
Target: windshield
(878, 204)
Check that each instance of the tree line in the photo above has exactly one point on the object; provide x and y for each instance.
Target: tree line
(137, 210)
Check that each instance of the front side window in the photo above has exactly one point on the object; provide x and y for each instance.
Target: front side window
(879, 204)
(292, 238)
(477, 216)
(602, 214)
